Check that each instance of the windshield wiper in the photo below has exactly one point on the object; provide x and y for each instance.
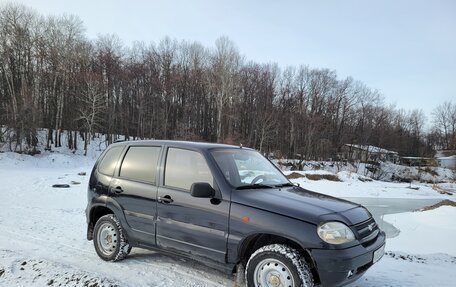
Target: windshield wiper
(284, 184)
(254, 186)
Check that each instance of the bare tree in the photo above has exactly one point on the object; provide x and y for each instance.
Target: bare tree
(17, 34)
(444, 118)
(52, 76)
(225, 64)
(92, 105)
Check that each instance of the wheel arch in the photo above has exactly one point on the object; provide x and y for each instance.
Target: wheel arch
(96, 212)
(255, 241)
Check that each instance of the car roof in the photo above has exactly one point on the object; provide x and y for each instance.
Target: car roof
(182, 144)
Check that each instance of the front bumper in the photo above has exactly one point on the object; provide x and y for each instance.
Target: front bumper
(333, 266)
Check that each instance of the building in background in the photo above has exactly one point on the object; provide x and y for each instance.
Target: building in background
(418, 161)
(446, 158)
(367, 153)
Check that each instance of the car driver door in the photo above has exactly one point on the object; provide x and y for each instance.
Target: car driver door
(187, 224)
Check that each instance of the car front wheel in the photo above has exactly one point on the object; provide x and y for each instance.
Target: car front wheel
(278, 265)
(109, 239)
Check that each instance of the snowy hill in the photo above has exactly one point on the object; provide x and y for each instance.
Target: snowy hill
(384, 171)
(95, 144)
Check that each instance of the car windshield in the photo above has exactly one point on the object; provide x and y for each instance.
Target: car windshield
(248, 169)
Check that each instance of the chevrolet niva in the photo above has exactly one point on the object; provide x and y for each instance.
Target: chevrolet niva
(226, 206)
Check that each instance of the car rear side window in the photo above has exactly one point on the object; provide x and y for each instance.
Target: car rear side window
(140, 163)
(185, 167)
(109, 161)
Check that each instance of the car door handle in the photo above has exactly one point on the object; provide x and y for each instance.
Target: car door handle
(117, 189)
(165, 199)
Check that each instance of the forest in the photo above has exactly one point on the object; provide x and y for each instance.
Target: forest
(52, 76)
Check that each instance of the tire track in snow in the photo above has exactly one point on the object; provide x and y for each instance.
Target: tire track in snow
(154, 267)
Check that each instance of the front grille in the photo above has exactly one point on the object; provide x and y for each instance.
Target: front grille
(367, 231)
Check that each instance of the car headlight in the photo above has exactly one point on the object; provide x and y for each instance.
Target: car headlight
(335, 233)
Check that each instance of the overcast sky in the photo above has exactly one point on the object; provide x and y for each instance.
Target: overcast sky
(404, 49)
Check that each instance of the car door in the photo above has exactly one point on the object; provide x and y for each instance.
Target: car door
(135, 190)
(185, 224)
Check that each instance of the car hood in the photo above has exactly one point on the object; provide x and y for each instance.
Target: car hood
(302, 204)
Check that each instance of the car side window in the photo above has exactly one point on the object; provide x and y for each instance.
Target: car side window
(109, 161)
(140, 163)
(185, 167)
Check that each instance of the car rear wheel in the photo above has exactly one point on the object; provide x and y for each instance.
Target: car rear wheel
(109, 239)
(278, 265)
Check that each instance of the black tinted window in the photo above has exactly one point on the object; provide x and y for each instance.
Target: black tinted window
(140, 163)
(108, 164)
(184, 167)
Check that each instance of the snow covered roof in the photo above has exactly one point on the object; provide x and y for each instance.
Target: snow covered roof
(445, 153)
(371, 149)
(417, 158)
(453, 157)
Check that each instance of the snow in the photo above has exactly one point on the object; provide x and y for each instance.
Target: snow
(46, 228)
(96, 144)
(352, 176)
(435, 230)
(43, 230)
(400, 269)
(422, 255)
(352, 186)
(387, 171)
(423, 174)
(45, 160)
(331, 166)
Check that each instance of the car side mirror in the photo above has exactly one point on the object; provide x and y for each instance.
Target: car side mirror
(202, 189)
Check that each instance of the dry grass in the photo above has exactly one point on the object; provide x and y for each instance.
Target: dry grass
(431, 171)
(295, 175)
(445, 202)
(442, 190)
(331, 177)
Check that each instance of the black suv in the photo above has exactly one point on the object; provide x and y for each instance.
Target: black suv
(227, 207)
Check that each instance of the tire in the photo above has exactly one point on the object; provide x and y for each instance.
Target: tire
(109, 239)
(277, 265)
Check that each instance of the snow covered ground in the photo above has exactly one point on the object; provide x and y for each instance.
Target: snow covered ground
(43, 229)
(418, 224)
(355, 185)
(385, 171)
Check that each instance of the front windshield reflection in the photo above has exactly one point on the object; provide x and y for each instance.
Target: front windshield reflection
(243, 167)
